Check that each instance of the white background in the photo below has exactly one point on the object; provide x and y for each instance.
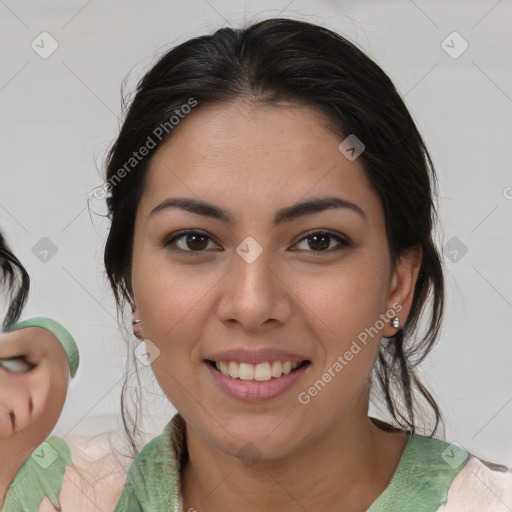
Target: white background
(60, 114)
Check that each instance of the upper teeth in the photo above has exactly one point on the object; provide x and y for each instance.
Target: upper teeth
(261, 371)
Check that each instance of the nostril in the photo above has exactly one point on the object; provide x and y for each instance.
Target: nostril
(13, 420)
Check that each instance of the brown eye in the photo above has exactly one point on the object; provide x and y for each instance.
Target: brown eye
(320, 241)
(189, 241)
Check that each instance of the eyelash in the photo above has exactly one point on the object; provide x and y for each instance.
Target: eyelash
(182, 234)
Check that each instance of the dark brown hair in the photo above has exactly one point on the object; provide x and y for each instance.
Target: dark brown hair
(14, 283)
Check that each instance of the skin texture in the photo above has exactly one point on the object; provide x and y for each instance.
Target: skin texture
(45, 387)
(254, 160)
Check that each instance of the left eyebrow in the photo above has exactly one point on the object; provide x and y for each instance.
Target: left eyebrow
(283, 215)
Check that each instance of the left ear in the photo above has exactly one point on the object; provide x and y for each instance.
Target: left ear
(402, 285)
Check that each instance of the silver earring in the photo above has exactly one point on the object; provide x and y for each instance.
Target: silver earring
(135, 333)
(395, 322)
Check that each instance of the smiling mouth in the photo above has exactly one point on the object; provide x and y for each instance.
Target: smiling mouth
(261, 372)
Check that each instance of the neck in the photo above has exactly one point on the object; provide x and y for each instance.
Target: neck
(347, 467)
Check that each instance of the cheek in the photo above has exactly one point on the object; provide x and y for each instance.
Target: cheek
(173, 304)
(156, 288)
(349, 302)
(348, 299)
(172, 323)
(349, 306)
(171, 299)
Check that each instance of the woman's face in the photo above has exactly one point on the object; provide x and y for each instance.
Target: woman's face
(256, 286)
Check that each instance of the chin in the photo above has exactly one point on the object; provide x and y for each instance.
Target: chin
(256, 440)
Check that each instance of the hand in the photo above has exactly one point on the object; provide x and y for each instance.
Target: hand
(34, 377)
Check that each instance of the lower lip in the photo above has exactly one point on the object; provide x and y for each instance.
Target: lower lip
(256, 391)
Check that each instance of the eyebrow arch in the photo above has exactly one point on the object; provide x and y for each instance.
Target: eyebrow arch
(283, 215)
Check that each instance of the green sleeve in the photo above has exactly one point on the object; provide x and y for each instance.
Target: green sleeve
(152, 482)
(423, 477)
(41, 475)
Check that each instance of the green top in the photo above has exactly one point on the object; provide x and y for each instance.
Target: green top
(153, 479)
(420, 483)
(41, 475)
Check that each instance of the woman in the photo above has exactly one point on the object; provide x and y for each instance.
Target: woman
(272, 229)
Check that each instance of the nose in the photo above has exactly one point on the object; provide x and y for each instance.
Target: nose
(254, 295)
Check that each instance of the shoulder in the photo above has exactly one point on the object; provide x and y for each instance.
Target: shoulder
(472, 484)
(480, 486)
(435, 475)
(153, 454)
(152, 481)
(95, 478)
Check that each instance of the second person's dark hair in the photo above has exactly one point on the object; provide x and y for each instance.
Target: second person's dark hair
(14, 283)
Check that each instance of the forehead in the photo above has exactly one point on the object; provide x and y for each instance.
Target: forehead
(252, 156)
